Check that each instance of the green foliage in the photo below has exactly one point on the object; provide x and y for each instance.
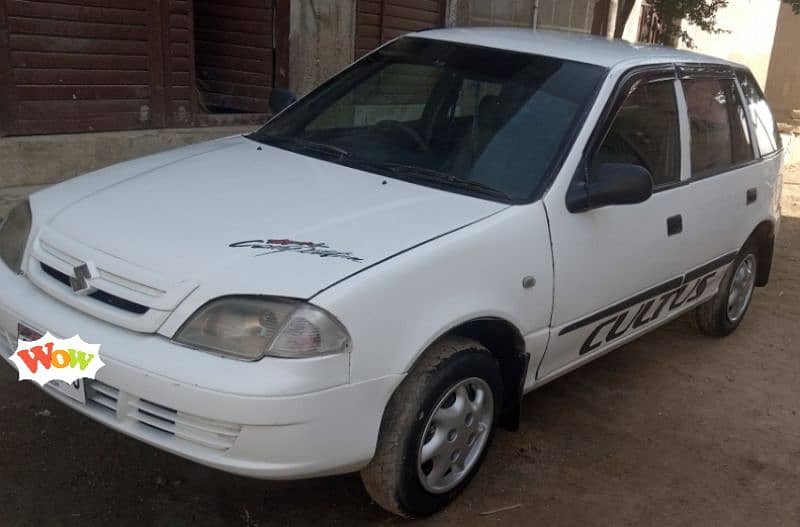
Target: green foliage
(795, 5)
(701, 13)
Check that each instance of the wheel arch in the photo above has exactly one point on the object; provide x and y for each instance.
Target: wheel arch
(505, 341)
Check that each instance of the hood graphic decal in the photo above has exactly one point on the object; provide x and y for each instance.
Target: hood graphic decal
(279, 246)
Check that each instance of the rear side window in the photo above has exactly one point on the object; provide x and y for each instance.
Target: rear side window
(645, 132)
(768, 138)
(720, 137)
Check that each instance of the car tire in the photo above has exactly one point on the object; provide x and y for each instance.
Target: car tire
(430, 415)
(722, 314)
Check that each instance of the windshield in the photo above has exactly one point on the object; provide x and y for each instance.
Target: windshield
(464, 118)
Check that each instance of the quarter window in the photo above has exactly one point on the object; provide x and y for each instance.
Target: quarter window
(768, 138)
(719, 133)
(645, 132)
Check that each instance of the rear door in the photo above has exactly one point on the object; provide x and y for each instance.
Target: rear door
(724, 171)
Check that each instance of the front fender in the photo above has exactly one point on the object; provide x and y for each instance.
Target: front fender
(395, 310)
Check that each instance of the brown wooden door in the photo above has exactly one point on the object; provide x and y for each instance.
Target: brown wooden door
(80, 65)
(101, 65)
(381, 20)
(234, 41)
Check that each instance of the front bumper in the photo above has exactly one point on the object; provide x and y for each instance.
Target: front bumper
(272, 419)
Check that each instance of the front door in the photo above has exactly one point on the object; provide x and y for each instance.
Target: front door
(620, 269)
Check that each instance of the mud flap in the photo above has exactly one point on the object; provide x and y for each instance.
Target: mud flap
(514, 371)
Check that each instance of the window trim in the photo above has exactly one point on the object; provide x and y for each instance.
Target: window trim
(690, 71)
(780, 147)
(627, 83)
(719, 72)
(713, 173)
(686, 132)
(751, 125)
(679, 72)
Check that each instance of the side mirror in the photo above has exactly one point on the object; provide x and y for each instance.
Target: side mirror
(611, 184)
(280, 99)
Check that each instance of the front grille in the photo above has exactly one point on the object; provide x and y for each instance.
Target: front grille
(124, 293)
(204, 432)
(102, 396)
(207, 433)
(102, 296)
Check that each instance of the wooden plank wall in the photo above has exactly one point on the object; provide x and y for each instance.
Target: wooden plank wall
(282, 25)
(5, 74)
(180, 96)
(234, 63)
(80, 65)
(102, 65)
(379, 21)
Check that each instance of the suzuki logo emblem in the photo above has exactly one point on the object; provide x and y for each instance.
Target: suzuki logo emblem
(80, 284)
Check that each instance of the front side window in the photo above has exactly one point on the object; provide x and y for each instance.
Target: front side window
(768, 138)
(459, 117)
(646, 132)
(720, 139)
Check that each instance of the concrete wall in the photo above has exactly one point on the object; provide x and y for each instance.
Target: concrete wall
(783, 84)
(575, 15)
(42, 160)
(321, 41)
(514, 13)
(751, 30)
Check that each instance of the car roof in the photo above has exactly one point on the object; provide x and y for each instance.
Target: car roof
(579, 47)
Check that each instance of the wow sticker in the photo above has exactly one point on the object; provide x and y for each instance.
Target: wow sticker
(50, 359)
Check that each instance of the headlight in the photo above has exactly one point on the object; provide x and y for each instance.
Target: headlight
(253, 327)
(14, 233)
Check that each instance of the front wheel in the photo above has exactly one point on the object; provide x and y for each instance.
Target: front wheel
(721, 315)
(436, 429)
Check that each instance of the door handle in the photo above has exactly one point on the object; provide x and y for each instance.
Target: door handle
(674, 225)
(752, 195)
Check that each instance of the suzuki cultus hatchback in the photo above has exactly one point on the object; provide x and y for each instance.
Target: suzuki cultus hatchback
(372, 280)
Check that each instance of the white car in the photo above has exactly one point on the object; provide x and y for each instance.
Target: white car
(373, 279)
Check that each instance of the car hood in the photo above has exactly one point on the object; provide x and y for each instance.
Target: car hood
(256, 219)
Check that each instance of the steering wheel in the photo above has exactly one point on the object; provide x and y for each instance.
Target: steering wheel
(406, 130)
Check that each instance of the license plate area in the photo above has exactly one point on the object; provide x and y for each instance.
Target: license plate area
(75, 391)
(27, 333)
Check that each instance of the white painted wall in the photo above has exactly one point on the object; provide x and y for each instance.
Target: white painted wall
(751, 25)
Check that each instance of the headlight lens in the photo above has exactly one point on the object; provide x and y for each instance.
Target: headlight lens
(14, 233)
(252, 327)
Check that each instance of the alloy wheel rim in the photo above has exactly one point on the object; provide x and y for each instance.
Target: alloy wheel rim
(741, 290)
(455, 435)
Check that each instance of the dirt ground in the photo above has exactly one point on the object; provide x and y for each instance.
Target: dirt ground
(674, 429)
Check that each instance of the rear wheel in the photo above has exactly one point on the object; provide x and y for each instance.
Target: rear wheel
(721, 315)
(436, 429)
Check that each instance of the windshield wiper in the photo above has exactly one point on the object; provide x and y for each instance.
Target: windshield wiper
(411, 172)
(304, 145)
